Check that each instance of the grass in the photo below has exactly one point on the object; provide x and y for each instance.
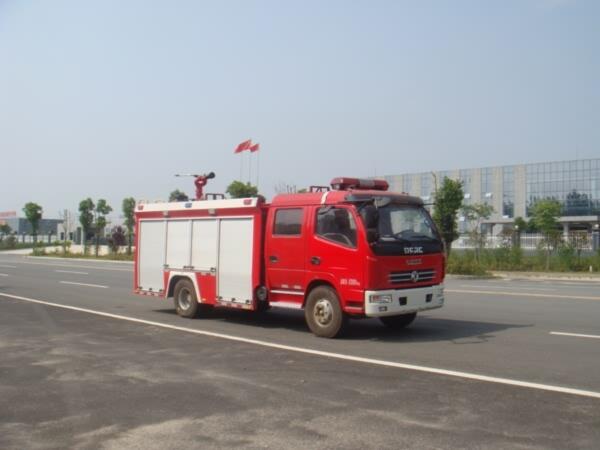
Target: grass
(563, 259)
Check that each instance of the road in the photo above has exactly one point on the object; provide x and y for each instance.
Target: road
(86, 364)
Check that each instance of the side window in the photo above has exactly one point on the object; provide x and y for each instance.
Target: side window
(288, 222)
(337, 225)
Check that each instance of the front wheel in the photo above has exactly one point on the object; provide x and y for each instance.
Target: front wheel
(323, 313)
(184, 297)
(398, 322)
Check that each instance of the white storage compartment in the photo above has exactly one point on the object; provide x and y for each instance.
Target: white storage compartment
(151, 254)
(235, 260)
(205, 239)
(179, 234)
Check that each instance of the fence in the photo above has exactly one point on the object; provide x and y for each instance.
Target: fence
(581, 241)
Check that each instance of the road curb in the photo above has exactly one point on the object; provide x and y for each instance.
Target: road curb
(58, 258)
(545, 276)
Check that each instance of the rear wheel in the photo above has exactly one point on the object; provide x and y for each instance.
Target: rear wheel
(184, 297)
(398, 322)
(323, 313)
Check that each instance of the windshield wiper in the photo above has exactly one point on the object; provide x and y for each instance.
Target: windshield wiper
(395, 237)
(423, 236)
(412, 237)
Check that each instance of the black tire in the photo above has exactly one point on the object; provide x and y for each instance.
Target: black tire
(398, 322)
(323, 313)
(185, 299)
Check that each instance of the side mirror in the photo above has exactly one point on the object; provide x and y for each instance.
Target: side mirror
(372, 235)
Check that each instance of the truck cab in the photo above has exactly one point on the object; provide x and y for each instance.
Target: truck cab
(356, 250)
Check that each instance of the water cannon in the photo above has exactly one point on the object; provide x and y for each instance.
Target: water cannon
(199, 181)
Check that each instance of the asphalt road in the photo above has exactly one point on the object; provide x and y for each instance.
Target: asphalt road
(86, 364)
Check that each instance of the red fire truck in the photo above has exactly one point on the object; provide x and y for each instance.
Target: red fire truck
(354, 250)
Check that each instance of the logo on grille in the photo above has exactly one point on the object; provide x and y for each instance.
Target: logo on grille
(414, 276)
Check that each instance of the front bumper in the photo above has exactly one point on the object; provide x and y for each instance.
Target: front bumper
(405, 301)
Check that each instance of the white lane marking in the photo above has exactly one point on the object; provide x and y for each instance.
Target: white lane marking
(560, 333)
(3, 274)
(78, 266)
(85, 284)
(5, 266)
(72, 271)
(523, 294)
(503, 287)
(358, 359)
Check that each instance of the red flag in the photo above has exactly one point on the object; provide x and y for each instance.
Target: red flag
(243, 146)
(254, 148)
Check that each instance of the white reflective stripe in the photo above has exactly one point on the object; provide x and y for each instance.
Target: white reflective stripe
(288, 305)
(286, 292)
(324, 197)
(197, 205)
(338, 356)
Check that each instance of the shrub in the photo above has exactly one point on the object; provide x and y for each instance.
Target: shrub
(464, 264)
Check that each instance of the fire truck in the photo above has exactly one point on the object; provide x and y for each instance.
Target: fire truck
(351, 250)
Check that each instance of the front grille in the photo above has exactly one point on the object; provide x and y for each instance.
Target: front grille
(412, 276)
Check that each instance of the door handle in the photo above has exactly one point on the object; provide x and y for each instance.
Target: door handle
(315, 260)
(273, 258)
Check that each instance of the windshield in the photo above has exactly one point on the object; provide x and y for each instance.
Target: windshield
(400, 229)
(404, 222)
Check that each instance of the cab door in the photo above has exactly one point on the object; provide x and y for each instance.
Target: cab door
(285, 255)
(334, 253)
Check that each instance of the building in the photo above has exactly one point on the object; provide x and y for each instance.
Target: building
(22, 226)
(512, 190)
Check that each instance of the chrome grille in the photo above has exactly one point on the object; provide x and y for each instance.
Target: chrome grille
(412, 276)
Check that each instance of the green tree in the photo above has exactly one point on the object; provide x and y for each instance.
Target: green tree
(475, 214)
(116, 239)
(33, 214)
(101, 211)
(239, 189)
(520, 223)
(86, 219)
(544, 214)
(4, 230)
(448, 200)
(525, 226)
(128, 212)
(178, 196)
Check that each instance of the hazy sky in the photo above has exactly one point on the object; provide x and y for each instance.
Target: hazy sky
(112, 98)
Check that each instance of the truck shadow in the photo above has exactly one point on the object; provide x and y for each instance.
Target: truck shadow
(424, 328)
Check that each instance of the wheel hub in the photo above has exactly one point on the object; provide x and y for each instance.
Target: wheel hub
(323, 312)
(184, 299)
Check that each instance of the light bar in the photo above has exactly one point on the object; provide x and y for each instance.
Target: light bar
(345, 183)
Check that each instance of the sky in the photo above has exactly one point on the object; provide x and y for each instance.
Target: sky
(112, 98)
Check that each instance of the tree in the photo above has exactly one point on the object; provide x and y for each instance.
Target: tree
(33, 214)
(128, 212)
(524, 225)
(116, 239)
(86, 219)
(101, 211)
(544, 213)
(448, 200)
(239, 189)
(475, 214)
(520, 224)
(4, 229)
(178, 196)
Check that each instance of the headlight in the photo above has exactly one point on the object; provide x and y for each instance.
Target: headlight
(383, 298)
